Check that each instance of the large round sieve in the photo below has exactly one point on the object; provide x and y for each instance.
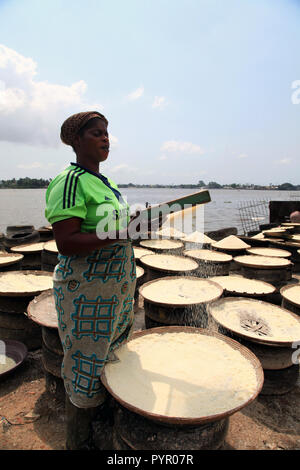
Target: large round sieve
(34, 290)
(199, 420)
(250, 322)
(263, 262)
(202, 283)
(42, 310)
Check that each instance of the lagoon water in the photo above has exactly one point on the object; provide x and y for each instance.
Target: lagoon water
(26, 206)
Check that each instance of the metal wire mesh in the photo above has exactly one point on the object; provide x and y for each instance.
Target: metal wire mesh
(253, 214)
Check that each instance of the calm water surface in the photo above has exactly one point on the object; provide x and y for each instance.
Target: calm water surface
(26, 206)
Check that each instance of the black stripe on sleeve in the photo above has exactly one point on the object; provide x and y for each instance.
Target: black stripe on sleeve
(75, 186)
(69, 191)
(66, 186)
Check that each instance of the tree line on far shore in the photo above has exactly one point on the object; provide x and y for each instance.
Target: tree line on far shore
(24, 183)
(34, 183)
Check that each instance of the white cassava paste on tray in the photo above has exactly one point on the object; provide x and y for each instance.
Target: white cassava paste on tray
(231, 243)
(183, 375)
(181, 291)
(170, 232)
(6, 259)
(33, 247)
(169, 262)
(256, 260)
(208, 255)
(51, 246)
(139, 252)
(292, 294)
(139, 272)
(161, 244)
(281, 325)
(269, 252)
(6, 363)
(241, 284)
(23, 282)
(198, 237)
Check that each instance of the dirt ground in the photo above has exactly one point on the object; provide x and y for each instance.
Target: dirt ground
(32, 419)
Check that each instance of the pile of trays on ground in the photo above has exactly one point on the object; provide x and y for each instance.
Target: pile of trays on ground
(22, 278)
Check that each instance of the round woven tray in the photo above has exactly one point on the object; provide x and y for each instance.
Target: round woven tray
(271, 288)
(237, 332)
(167, 304)
(16, 351)
(273, 252)
(208, 256)
(150, 261)
(256, 261)
(156, 244)
(28, 248)
(201, 419)
(139, 252)
(31, 293)
(284, 290)
(139, 272)
(16, 257)
(51, 246)
(42, 311)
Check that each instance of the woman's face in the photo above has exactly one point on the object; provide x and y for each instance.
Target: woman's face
(94, 142)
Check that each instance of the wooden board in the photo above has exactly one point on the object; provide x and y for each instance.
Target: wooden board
(176, 205)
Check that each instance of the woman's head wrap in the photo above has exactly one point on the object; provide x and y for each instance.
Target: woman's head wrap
(74, 123)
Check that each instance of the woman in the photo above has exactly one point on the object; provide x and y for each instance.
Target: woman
(95, 279)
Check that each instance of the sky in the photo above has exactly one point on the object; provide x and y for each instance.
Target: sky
(192, 89)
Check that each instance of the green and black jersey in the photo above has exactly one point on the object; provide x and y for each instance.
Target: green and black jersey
(94, 198)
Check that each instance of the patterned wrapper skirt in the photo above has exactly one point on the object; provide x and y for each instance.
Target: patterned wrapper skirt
(94, 296)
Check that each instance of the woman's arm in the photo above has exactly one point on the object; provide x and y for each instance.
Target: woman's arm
(71, 241)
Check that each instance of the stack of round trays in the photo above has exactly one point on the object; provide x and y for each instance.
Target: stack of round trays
(178, 301)
(211, 263)
(179, 391)
(49, 256)
(269, 331)
(168, 265)
(41, 310)
(239, 286)
(17, 289)
(10, 261)
(32, 255)
(163, 246)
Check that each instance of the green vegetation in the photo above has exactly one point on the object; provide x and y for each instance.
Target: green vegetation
(24, 183)
(215, 185)
(33, 183)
